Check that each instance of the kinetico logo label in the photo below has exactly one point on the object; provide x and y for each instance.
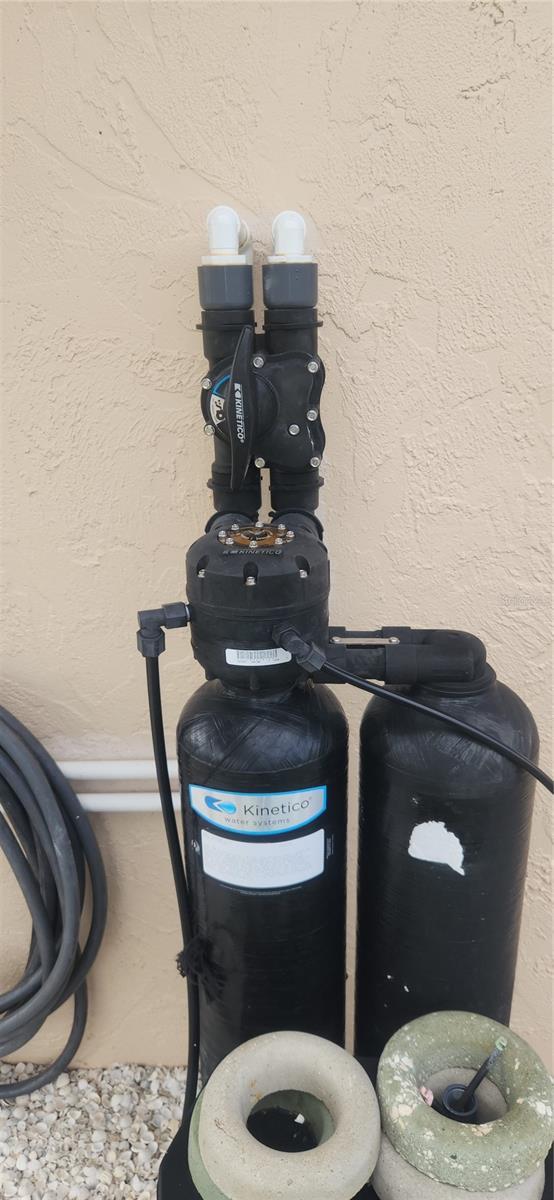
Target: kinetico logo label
(239, 413)
(262, 813)
(223, 806)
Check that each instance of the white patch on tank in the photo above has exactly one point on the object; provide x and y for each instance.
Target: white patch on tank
(433, 842)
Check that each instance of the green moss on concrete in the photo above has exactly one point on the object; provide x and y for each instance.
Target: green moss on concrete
(486, 1157)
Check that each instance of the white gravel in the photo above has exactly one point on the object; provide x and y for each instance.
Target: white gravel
(92, 1135)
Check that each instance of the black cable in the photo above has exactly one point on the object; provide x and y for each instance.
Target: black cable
(476, 735)
(484, 1070)
(49, 844)
(179, 876)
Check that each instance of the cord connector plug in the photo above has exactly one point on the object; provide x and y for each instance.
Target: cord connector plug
(306, 654)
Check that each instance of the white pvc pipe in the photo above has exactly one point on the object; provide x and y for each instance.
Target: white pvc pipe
(124, 769)
(118, 771)
(124, 802)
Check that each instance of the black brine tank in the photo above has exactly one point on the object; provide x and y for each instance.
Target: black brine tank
(263, 781)
(444, 838)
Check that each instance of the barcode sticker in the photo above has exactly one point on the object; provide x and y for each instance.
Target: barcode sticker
(257, 658)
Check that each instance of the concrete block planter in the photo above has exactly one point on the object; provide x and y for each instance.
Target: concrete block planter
(423, 1153)
(306, 1076)
(396, 1179)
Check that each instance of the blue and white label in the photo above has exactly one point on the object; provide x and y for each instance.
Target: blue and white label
(261, 813)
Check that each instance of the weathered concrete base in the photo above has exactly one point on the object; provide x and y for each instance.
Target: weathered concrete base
(227, 1163)
(199, 1175)
(491, 1156)
(395, 1179)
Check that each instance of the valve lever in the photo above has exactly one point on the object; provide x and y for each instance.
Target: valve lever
(241, 409)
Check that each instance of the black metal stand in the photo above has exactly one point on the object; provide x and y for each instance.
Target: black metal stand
(175, 1183)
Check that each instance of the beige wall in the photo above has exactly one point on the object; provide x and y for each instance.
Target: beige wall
(415, 139)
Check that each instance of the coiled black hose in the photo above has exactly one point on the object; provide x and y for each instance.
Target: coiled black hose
(50, 846)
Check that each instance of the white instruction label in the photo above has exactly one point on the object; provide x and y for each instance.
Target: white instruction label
(257, 658)
(261, 813)
(263, 865)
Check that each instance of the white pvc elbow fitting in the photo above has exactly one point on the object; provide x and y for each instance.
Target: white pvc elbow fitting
(228, 237)
(289, 238)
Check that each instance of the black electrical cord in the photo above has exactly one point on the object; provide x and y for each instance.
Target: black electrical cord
(179, 876)
(469, 731)
(484, 1070)
(49, 844)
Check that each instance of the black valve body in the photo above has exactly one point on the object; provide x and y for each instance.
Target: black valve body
(244, 583)
(270, 415)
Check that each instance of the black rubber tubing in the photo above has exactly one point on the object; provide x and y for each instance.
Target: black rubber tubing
(179, 876)
(477, 735)
(51, 848)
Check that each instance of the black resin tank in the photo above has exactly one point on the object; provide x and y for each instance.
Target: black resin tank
(263, 781)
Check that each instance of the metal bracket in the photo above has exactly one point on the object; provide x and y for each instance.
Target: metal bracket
(354, 638)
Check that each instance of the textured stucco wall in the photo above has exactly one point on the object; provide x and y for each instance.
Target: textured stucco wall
(415, 139)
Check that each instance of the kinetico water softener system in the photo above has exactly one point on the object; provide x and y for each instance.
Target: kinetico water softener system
(448, 753)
